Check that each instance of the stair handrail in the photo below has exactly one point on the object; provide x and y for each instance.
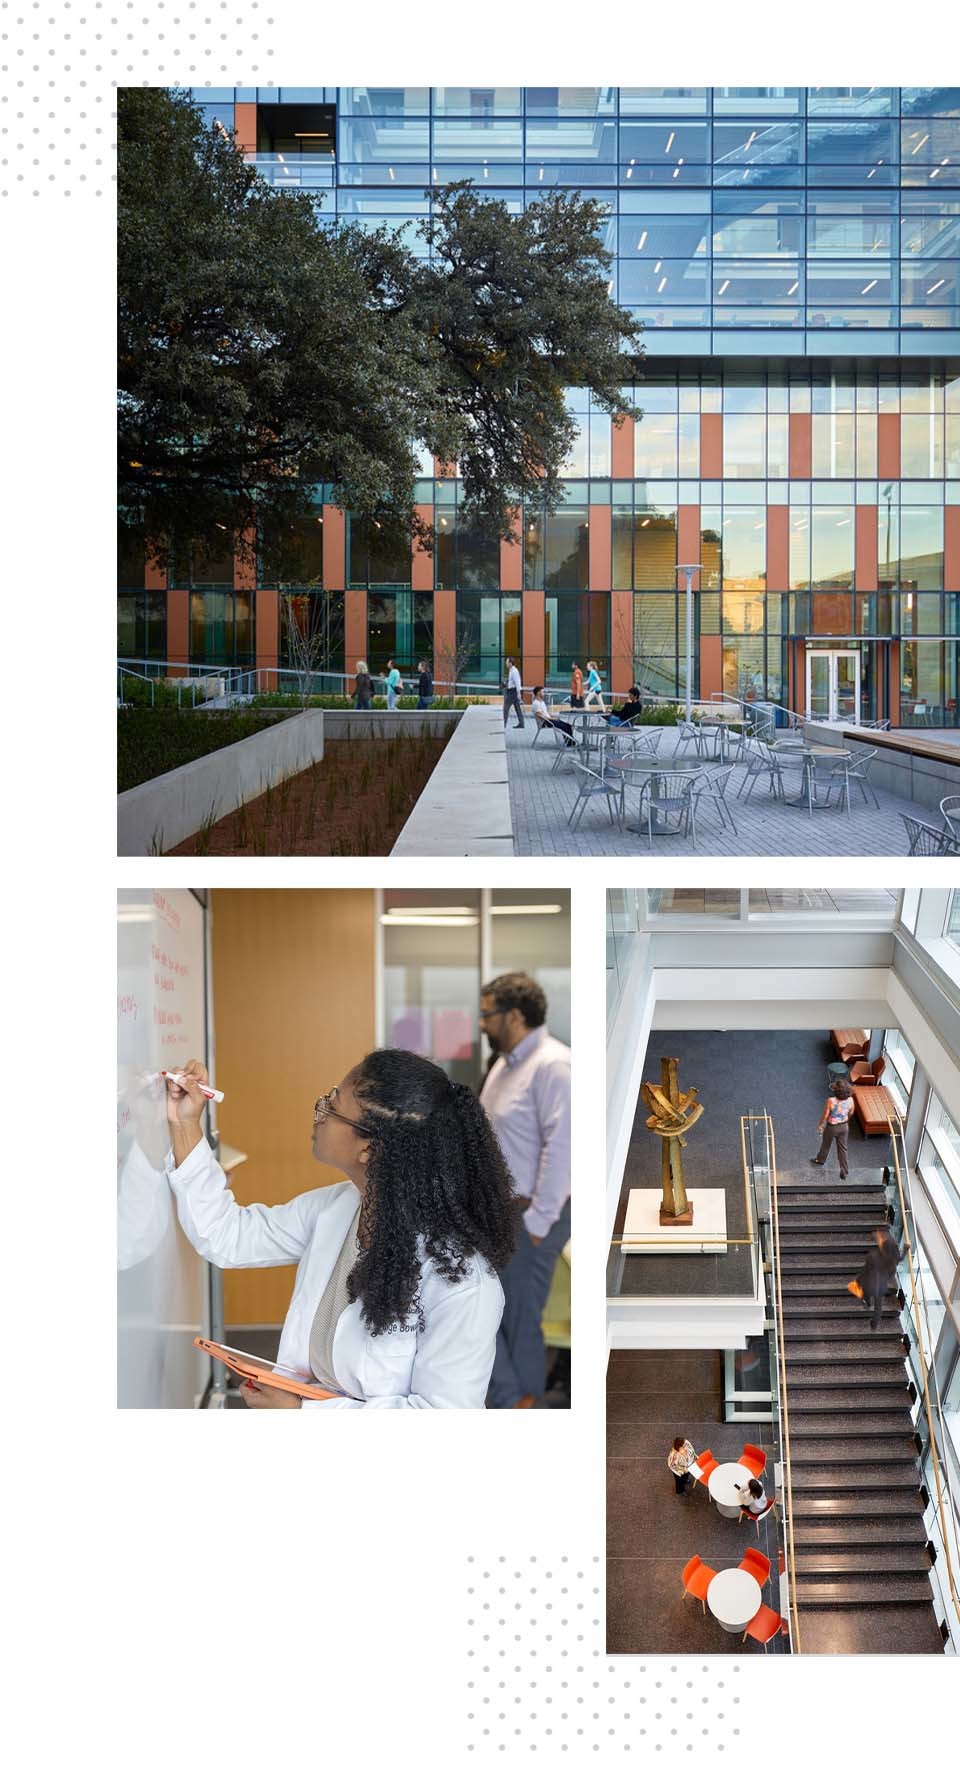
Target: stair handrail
(794, 718)
(895, 1124)
(777, 1303)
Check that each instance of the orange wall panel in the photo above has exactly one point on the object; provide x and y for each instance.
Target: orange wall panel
(511, 561)
(711, 446)
(444, 639)
(245, 566)
(621, 642)
(865, 547)
(621, 449)
(688, 542)
(334, 549)
(245, 127)
(154, 575)
(800, 446)
(599, 548)
(888, 446)
(178, 628)
(267, 629)
(354, 630)
(778, 548)
(711, 664)
(533, 638)
(951, 548)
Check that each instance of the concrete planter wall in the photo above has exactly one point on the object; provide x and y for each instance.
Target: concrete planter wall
(895, 768)
(385, 724)
(464, 810)
(159, 814)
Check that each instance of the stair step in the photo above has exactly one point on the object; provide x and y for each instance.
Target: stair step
(809, 1372)
(879, 1347)
(823, 1262)
(830, 1197)
(837, 1424)
(844, 1532)
(861, 1451)
(891, 1588)
(840, 1325)
(840, 1402)
(867, 1505)
(814, 1237)
(870, 1561)
(840, 1305)
(901, 1476)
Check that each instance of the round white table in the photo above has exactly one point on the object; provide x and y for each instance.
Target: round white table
(733, 1598)
(722, 1486)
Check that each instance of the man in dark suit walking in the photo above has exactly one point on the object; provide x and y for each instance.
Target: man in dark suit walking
(879, 1273)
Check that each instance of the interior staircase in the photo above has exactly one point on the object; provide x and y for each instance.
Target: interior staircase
(859, 1539)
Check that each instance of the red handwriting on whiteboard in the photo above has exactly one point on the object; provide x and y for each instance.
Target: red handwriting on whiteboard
(170, 962)
(164, 983)
(167, 911)
(163, 1017)
(127, 1006)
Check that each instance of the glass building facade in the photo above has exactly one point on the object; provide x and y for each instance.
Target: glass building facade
(794, 256)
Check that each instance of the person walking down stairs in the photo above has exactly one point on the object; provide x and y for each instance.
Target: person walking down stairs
(834, 1126)
(879, 1273)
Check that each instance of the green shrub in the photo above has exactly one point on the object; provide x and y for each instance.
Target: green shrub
(659, 715)
(151, 741)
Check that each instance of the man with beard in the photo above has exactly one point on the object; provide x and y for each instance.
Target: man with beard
(526, 1094)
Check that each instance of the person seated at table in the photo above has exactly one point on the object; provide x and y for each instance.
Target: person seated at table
(544, 718)
(629, 710)
(752, 1497)
(681, 1457)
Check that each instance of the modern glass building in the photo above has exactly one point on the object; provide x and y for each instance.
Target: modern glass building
(794, 255)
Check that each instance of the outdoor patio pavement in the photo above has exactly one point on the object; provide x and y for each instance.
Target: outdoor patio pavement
(541, 800)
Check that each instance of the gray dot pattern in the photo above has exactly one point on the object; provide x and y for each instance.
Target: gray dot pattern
(539, 1680)
(60, 67)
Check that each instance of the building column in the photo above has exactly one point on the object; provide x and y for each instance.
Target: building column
(178, 632)
(621, 642)
(711, 446)
(533, 633)
(800, 446)
(600, 558)
(888, 447)
(354, 630)
(621, 448)
(245, 127)
(422, 572)
(266, 634)
(444, 641)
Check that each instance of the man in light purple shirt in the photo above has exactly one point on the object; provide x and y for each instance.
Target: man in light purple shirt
(526, 1094)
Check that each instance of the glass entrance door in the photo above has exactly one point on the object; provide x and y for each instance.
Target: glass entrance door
(833, 685)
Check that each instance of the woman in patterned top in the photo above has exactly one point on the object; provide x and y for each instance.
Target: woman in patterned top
(834, 1124)
(681, 1456)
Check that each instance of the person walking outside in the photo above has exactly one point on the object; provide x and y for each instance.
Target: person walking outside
(513, 694)
(680, 1459)
(576, 687)
(394, 684)
(363, 686)
(526, 1095)
(879, 1273)
(424, 686)
(594, 696)
(834, 1125)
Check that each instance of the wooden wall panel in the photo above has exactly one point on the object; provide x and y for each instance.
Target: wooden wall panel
(293, 998)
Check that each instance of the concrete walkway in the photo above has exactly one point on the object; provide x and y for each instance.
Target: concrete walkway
(464, 810)
(542, 799)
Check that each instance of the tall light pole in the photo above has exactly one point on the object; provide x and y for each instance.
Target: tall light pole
(688, 569)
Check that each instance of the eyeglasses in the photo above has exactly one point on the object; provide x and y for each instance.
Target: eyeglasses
(324, 1108)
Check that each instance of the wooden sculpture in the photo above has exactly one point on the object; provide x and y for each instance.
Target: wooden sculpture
(672, 1112)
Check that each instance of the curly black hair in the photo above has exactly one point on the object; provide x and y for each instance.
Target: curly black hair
(435, 1173)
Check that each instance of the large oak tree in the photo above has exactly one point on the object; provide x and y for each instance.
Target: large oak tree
(263, 351)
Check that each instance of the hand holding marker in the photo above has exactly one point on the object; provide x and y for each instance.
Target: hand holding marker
(182, 1079)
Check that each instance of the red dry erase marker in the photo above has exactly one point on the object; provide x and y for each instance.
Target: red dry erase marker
(207, 1090)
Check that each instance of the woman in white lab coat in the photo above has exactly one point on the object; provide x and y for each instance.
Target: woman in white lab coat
(397, 1299)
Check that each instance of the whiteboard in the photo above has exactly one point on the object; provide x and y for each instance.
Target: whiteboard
(162, 1285)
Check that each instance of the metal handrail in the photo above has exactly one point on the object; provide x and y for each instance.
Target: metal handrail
(714, 1238)
(777, 1303)
(895, 1124)
(723, 696)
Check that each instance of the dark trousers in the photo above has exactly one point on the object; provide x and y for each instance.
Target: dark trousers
(425, 702)
(683, 1482)
(512, 701)
(564, 727)
(520, 1364)
(837, 1135)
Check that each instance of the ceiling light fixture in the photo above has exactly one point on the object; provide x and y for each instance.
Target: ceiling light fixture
(870, 286)
(669, 141)
(724, 286)
(661, 286)
(518, 911)
(919, 145)
(794, 288)
(641, 243)
(938, 285)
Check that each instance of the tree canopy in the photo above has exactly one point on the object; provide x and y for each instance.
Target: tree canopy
(264, 351)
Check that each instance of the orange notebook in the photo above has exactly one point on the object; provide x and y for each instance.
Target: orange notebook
(272, 1374)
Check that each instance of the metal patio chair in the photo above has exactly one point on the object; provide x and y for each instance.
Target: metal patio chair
(950, 810)
(668, 797)
(929, 841)
(855, 768)
(714, 788)
(591, 786)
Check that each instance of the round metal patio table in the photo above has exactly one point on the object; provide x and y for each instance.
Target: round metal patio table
(651, 767)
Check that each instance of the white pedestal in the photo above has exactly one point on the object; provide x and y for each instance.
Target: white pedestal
(643, 1236)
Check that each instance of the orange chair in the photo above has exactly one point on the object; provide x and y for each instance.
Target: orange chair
(757, 1564)
(697, 1579)
(758, 1516)
(706, 1462)
(754, 1458)
(765, 1626)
